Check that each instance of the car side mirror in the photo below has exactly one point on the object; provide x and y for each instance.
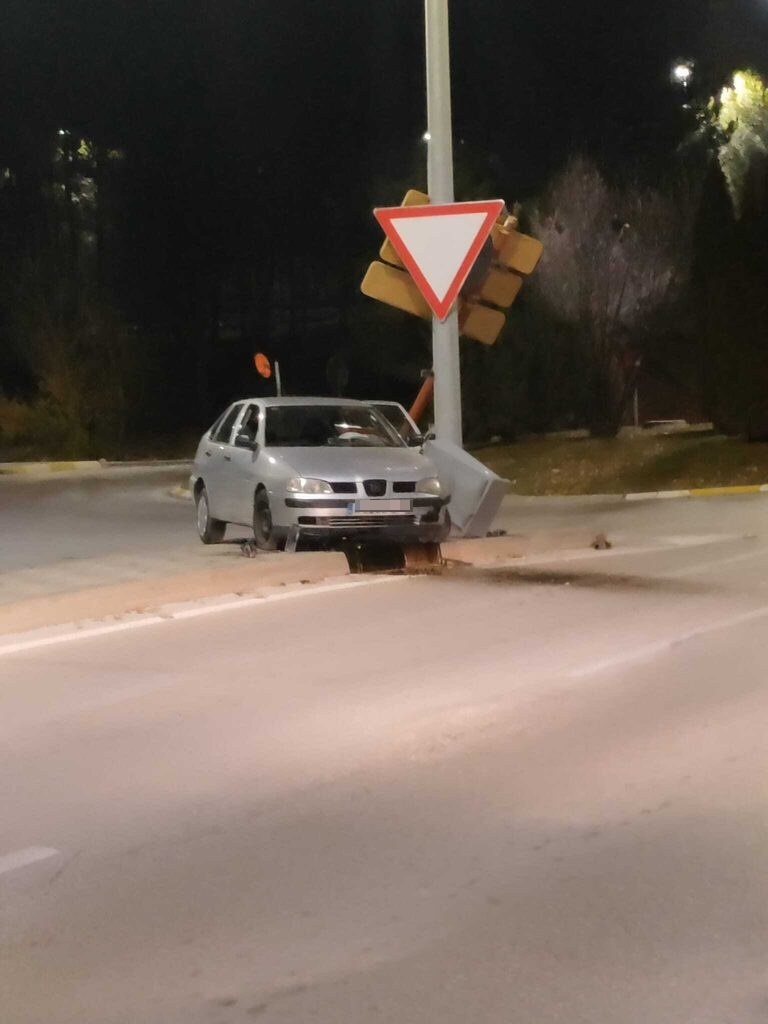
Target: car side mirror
(245, 441)
(431, 436)
(416, 440)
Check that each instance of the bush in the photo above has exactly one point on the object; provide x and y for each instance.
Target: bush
(40, 429)
(15, 417)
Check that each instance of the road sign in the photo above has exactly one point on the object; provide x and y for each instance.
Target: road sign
(396, 288)
(516, 251)
(439, 245)
(480, 323)
(412, 198)
(262, 364)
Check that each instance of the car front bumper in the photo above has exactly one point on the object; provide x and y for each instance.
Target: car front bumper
(423, 520)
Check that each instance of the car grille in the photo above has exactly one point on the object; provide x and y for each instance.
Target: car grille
(404, 487)
(341, 487)
(358, 521)
(354, 522)
(375, 488)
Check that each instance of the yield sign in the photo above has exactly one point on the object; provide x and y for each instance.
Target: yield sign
(439, 245)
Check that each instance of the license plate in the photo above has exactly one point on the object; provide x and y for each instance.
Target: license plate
(381, 505)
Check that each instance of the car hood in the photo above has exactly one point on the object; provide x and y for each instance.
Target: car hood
(362, 463)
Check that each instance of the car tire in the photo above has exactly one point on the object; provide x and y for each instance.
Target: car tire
(263, 530)
(210, 530)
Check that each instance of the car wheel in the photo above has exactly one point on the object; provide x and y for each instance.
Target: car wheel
(263, 529)
(210, 530)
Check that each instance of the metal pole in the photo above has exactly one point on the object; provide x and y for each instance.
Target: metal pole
(445, 336)
(278, 380)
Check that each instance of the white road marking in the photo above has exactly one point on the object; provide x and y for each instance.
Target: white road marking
(329, 588)
(21, 858)
(649, 651)
(31, 644)
(691, 570)
(79, 634)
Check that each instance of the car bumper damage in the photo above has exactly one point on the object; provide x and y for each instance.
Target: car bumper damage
(418, 519)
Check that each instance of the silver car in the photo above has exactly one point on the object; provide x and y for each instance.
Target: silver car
(317, 468)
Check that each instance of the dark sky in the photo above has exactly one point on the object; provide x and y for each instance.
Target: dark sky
(318, 83)
(235, 111)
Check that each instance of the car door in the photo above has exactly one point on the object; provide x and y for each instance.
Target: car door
(217, 458)
(244, 459)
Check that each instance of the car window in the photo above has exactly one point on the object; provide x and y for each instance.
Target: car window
(335, 426)
(250, 423)
(224, 431)
(396, 416)
(216, 425)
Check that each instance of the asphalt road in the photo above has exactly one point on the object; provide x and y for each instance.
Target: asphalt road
(120, 525)
(47, 521)
(534, 794)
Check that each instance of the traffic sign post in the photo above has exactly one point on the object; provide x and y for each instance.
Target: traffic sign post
(493, 283)
(445, 334)
(434, 248)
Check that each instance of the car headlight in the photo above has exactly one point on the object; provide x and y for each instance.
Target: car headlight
(429, 486)
(301, 485)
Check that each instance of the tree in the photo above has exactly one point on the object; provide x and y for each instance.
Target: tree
(731, 302)
(740, 117)
(58, 316)
(614, 259)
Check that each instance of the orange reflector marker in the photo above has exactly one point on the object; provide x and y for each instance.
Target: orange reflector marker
(263, 365)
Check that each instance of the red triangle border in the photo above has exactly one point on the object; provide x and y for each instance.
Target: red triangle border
(387, 216)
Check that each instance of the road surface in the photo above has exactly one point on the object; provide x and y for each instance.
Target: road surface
(61, 518)
(61, 534)
(534, 794)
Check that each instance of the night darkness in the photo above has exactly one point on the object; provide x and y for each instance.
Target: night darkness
(257, 137)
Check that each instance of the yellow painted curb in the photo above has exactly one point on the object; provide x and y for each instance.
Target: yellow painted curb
(714, 492)
(35, 468)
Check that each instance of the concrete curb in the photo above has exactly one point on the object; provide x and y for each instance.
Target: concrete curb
(149, 464)
(44, 469)
(699, 492)
(489, 550)
(151, 594)
(266, 570)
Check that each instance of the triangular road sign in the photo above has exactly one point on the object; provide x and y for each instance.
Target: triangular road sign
(439, 245)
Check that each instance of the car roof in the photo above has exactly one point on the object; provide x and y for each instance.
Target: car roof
(308, 400)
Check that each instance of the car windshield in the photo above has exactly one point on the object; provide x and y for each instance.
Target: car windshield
(337, 426)
(395, 414)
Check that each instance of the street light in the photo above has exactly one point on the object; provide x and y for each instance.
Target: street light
(682, 72)
(682, 76)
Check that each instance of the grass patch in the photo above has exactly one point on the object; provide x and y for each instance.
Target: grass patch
(632, 462)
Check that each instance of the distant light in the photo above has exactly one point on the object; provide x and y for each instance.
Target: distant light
(682, 72)
(427, 137)
(62, 131)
